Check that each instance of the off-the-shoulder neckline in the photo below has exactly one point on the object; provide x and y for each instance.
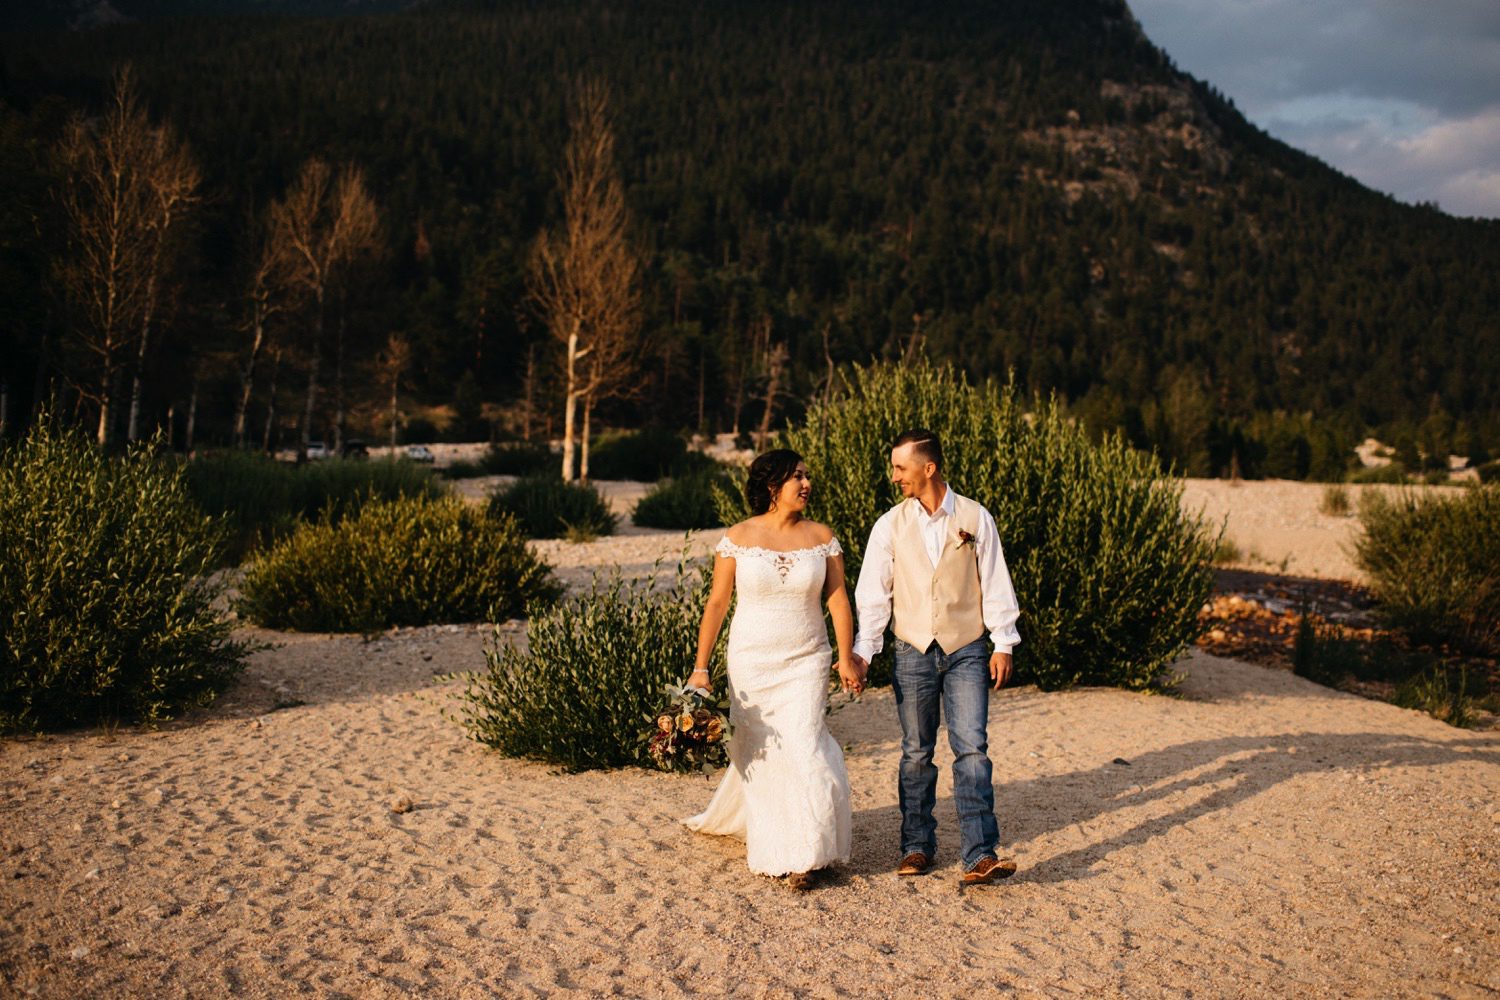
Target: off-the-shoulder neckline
(760, 549)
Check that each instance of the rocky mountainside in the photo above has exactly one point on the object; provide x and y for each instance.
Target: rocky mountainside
(1028, 188)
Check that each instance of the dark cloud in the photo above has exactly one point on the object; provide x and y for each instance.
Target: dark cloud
(1402, 94)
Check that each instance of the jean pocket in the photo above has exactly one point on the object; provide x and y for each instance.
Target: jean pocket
(899, 646)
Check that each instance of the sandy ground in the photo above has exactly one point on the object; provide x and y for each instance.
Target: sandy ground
(1259, 836)
(1278, 524)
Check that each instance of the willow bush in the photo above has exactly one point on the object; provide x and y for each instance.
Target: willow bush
(582, 690)
(547, 507)
(408, 561)
(1434, 564)
(645, 456)
(263, 500)
(684, 503)
(1108, 571)
(106, 593)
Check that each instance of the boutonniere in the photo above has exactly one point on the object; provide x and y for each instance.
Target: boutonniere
(964, 538)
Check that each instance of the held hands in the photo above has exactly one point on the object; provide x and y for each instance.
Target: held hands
(853, 673)
(1000, 669)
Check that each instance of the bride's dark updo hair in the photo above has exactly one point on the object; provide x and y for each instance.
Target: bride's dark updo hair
(767, 474)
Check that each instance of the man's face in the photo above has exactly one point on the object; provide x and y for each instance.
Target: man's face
(909, 470)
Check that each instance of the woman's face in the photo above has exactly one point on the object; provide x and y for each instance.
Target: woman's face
(794, 492)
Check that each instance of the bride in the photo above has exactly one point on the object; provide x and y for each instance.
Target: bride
(786, 793)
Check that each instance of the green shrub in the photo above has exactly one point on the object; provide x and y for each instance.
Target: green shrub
(1489, 472)
(643, 456)
(547, 507)
(1422, 680)
(519, 458)
(684, 503)
(105, 594)
(1434, 564)
(263, 500)
(1389, 473)
(1325, 657)
(1227, 552)
(462, 470)
(1109, 572)
(409, 561)
(589, 678)
(1335, 502)
(1440, 695)
(515, 458)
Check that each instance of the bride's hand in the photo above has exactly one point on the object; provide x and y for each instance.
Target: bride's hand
(700, 679)
(849, 674)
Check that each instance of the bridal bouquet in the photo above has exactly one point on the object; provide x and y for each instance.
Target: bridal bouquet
(690, 734)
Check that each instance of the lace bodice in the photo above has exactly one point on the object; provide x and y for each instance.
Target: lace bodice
(782, 560)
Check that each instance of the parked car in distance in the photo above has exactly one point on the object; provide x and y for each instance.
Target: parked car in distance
(355, 448)
(419, 453)
(316, 450)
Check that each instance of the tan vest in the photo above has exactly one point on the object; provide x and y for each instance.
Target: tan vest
(942, 603)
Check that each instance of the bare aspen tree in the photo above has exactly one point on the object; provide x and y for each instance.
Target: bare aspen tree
(611, 374)
(270, 428)
(192, 413)
(172, 180)
(268, 295)
(528, 394)
(327, 222)
(108, 207)
(392, 363)
(584, 278)
(775, 361)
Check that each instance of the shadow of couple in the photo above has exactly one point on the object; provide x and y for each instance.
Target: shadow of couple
(1235, 768)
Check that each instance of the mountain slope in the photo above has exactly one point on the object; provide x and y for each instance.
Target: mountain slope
(1025, 186)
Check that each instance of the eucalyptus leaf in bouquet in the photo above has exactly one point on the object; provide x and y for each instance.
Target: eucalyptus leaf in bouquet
(690, 734)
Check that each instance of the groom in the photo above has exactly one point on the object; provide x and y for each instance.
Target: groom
(936, 558)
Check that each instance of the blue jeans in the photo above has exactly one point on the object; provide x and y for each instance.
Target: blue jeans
(959, 683)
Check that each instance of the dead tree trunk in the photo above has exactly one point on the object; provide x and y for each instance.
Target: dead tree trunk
(776, 359)
(192, 417)
(247, 377)
(313, 365)
(265, 443)
(583, 461)
(338, 376)
(137, 379)
(570, 405)
(528, 410)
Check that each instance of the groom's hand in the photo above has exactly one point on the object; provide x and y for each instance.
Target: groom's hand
(862, 665)
(1000, 669)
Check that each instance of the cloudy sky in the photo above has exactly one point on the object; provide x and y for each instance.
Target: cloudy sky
(1403, 95)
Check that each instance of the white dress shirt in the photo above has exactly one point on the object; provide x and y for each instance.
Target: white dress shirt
(872, 595)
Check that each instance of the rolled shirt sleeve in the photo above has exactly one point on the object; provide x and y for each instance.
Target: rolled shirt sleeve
(999, 597)
(872, 594)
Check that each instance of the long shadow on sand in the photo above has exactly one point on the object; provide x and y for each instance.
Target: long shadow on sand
(1237, 768)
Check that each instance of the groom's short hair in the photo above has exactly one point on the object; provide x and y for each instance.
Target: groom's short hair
(925, 444)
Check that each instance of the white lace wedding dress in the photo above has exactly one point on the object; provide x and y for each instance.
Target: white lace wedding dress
(786, 792)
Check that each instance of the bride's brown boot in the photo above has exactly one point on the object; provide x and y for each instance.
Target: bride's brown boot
(800, 881)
